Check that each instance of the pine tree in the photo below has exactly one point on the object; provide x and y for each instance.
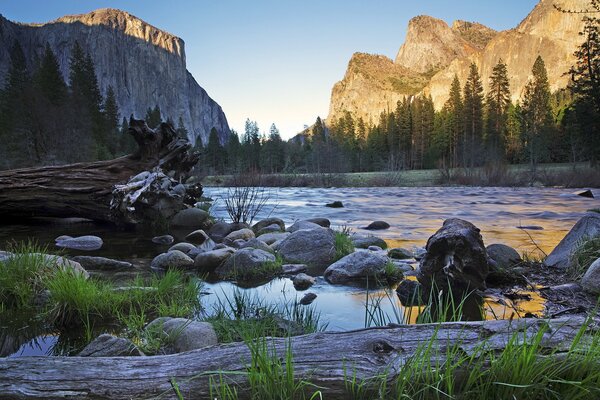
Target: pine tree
(454, 109)
(215, 154)
(497, 104)
(181, 130)
(49, 79)
(537, 114)
(473, 117)
(111, 121)
(153, 117)
(234, 153)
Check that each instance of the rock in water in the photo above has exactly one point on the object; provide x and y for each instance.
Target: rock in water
(307, 299)
(587, 227)
(303, 281)
(110, 346)
(87, 243)
(183, 334)
(244, 262)
(101, 263)
(585, 193)
(335, 204)
(315, 247)
(164, 239)
(410, 293)
(172, 259)
(504, 256)
(191, 217)
(456, 256)
(377, 226)
(357, 266)
(591, 279)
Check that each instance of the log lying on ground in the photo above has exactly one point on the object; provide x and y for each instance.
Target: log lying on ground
(101, 190)
(325, 359)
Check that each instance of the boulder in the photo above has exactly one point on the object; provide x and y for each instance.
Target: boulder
(87, 243)
(101, 263)
(303, 281)
(375, 248)
(307, 299)
(455, 257)
(183, 247)
(238, 243)
(306, 225)
(587, 227)
(335, 204)
(360, 265)
(172, 259)
(504, 256)
(260, 225)
(256, 244)
(190, 217)
(377, 226)
(244, 263)
(164, 239)
(269, 229)
(198, 236)
(63, 263)
(110, 346)
(292, 269)
(591, 279)
(183, 334)
(585, 193)
(399, 253)
(410, 293)
(315, 247)
(324, 222)
(210, 260)
(221, 229)
(363, 242)
(270, 238)
(244, 234)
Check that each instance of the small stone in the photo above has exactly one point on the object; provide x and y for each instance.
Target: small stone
(87, 243)
(399, 253)
(291, 269)
(183, 334)
(164, 239)
(375, 248)
(363, 242)
(378, 225)
(504, 256)
(172, 259)
(585, 193)
(269, 222)
(244, 234)
(307, 299)
(198, 236)
(183, 247)
(324, 222)
(270, 238)
(302, 225)
(208, 261)
(591, 279)
(190, 217)
(101, 263)
(303, 281)
(335, 204)
(257, 244)
(269, 229)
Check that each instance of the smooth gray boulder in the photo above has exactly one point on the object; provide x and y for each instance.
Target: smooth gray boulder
(315, 247)
(183, 334)
(268, 222)
(303, 281)
(299, 225)
(198, 236)
(87, 242)
(190, 217)
(363, 242)
(410, 293)
(591, 278)
(210, 260)
(269, 229)
(292, 269)
(218, 231)
(183, 247)
(110, 346)
(244, 263)
(257, 244)
(324, 222)
(270, 238)
(101, 263)
(172, 259)
(587, 227)
(357, 266)
(400, 253)
(243, 234)
(377, 226)
(504, 256)
(164, 239)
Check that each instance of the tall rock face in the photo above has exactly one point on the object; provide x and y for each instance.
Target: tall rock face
(434, 52)
(144, 65)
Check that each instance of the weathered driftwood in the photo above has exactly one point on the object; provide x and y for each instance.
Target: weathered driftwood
(325, 359)
(100, 190)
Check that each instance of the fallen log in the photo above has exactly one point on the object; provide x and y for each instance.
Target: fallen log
(325, 359)
(101, 190)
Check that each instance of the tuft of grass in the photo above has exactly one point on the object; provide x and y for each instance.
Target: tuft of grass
(265, 271)
(391, 274)
(586, 252)
(343, 245)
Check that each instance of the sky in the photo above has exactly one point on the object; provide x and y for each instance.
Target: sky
(275, 61)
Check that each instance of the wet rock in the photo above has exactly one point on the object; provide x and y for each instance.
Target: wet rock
(183, 247)
(363, 242)
(164, 239)
(360, 265)
(257, 244)
(531, 227)
(303, 281)
(244, 263)
(375, 248)
(335, 204)
(101, 263)
(585, 193)
(270, 238)
(110, 346)
(315, 247)
(410, 293)
(587, 227)
(210, 260)
(221, 229)
(324, 222)
(307, 299)
(198, 236)
(64, 264)
(269, 229)
(399, 253)
(87, 243)
(172, 259)
(378, 225)
(183, 334)
(190, 217)
(302, 225)
(267, 222)
(504, 256)
(591, 279)
(456, 259)
(244, 234)
(292, 269)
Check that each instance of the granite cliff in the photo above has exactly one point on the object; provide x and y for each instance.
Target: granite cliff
(145, 65)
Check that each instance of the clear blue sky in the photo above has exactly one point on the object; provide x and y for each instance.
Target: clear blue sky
(277, 60)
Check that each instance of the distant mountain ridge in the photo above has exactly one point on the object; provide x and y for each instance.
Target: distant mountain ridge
(144, 65)
(434, 52)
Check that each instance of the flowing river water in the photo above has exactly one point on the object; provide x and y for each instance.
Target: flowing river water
(532, 220)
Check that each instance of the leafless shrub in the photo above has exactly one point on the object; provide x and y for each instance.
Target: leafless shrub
(246, 198)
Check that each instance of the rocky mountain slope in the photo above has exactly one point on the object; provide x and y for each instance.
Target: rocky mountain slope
(433, 53)
(144, 65)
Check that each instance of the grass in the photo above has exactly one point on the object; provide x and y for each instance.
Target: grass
(586, 252)
(343, 244)
(595, 210)
(266, 271)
